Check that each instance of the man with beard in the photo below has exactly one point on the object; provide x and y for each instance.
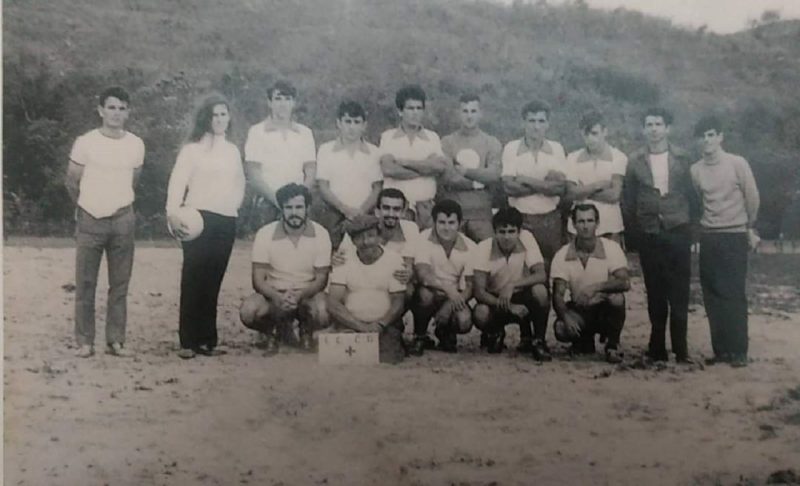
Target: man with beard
(658, 202)
(474, 169)
(291, 262)
(396, 234)
(510, 286)
(444, 270)
(595, 272)
(364, 294)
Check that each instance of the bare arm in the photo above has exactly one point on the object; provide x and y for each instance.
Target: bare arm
(611, 194)
(537, 276)
(432, 165)
(317, 285)
(256, 179)
(261, 283)
(137, 173)
(489, 174)
(369, 204)
(338, 311)
(309, 173)
(586, 191)
(395, 311)
(73, 180)
(482, 293)
(559, 292)
(391, 168)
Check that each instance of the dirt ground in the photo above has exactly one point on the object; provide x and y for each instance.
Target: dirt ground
(465, 419)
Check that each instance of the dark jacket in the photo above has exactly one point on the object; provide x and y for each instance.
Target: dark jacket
(644, 208)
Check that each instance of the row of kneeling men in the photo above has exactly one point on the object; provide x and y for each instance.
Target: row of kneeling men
(386, 267)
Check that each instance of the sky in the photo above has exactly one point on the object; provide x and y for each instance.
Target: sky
(721, 16)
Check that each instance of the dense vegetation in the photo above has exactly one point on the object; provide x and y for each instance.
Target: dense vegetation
(58, 54)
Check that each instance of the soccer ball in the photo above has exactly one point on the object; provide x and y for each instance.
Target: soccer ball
(191, 223)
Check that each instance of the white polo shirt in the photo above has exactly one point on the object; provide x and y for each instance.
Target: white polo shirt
(369, 286)
(417, 147)
(350, 176)
(281, 152)
(108, 164)
(519, 159)
(292, 266)
(403, 242)
(453, 269)
(583, 168)
(606, 258)
(503, 270)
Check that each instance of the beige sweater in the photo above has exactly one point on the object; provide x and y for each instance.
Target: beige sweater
(728, 191)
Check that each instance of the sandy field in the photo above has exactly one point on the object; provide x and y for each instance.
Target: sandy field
(465, 419)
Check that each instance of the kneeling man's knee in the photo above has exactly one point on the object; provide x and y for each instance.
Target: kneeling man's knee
(252, 310)
(481, 316)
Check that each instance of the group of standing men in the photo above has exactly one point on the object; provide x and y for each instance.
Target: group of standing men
(415, 224)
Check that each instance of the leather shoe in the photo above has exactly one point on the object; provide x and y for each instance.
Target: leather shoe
(540, 352)
(116, 349)
(85, 351)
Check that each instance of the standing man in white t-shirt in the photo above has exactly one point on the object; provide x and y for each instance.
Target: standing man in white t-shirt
(595, 175)
(104, 167)
(278, 151)
(365, 295)
(348, 172)
(534, 179)
(412, 157)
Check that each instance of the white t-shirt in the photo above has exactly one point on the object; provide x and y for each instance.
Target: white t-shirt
(281, 152)
(518, 159)
(213, 175)
(503, 270)
(607, 258)
(292, 266)
(108, 166)
(423, 144)
(369, 286)
(659, 166)
(350, 177)
(583, 168)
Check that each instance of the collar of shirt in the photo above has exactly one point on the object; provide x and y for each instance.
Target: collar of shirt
(460, 244)
(497, 253)
(523, 147)
(339, 145)
(270, 126)
(607, 155)
(280, 231)
(419, 133)
(599, 252)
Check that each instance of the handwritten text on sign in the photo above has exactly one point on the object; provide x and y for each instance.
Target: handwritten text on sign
(348, 348)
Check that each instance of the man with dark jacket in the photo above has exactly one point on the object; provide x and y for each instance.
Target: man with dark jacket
(659, 205)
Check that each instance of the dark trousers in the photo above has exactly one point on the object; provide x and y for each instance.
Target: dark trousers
(723, 272)
(666, 264)
(604, 319)
(204, 262)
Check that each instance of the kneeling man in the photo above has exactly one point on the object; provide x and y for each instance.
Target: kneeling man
(364, 295)
(596, 273)
(510, 286)
(291, 261)
(444, 269)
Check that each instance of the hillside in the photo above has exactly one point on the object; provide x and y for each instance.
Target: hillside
(57, 54)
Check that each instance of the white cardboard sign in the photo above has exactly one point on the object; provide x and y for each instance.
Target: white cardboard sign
(348, 348)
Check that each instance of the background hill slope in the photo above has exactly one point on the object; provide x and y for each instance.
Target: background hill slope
(58, 54)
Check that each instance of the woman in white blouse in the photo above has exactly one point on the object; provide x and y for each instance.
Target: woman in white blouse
(208, 176)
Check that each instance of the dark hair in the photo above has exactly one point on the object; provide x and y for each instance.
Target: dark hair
(658, 111)
(391, 192)
(584, 207)
(283, 87)
(535, 106)
(410, 92)
(292, 190)
(708, 122)
(117, 92)
(353, 109)
(447, 207)
(507, 216)
(468, 97)
(590, 119)
(204, 114)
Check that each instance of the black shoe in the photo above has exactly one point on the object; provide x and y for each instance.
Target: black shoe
(206, 350)
(717, 359)
(307, 343)
(496, 343)
(525, 346)
(540, 352)
(417, 347)
(484, 340)
(427, 342)
(686, 360)
(738, 361)
(613, 356)
(268, 343)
